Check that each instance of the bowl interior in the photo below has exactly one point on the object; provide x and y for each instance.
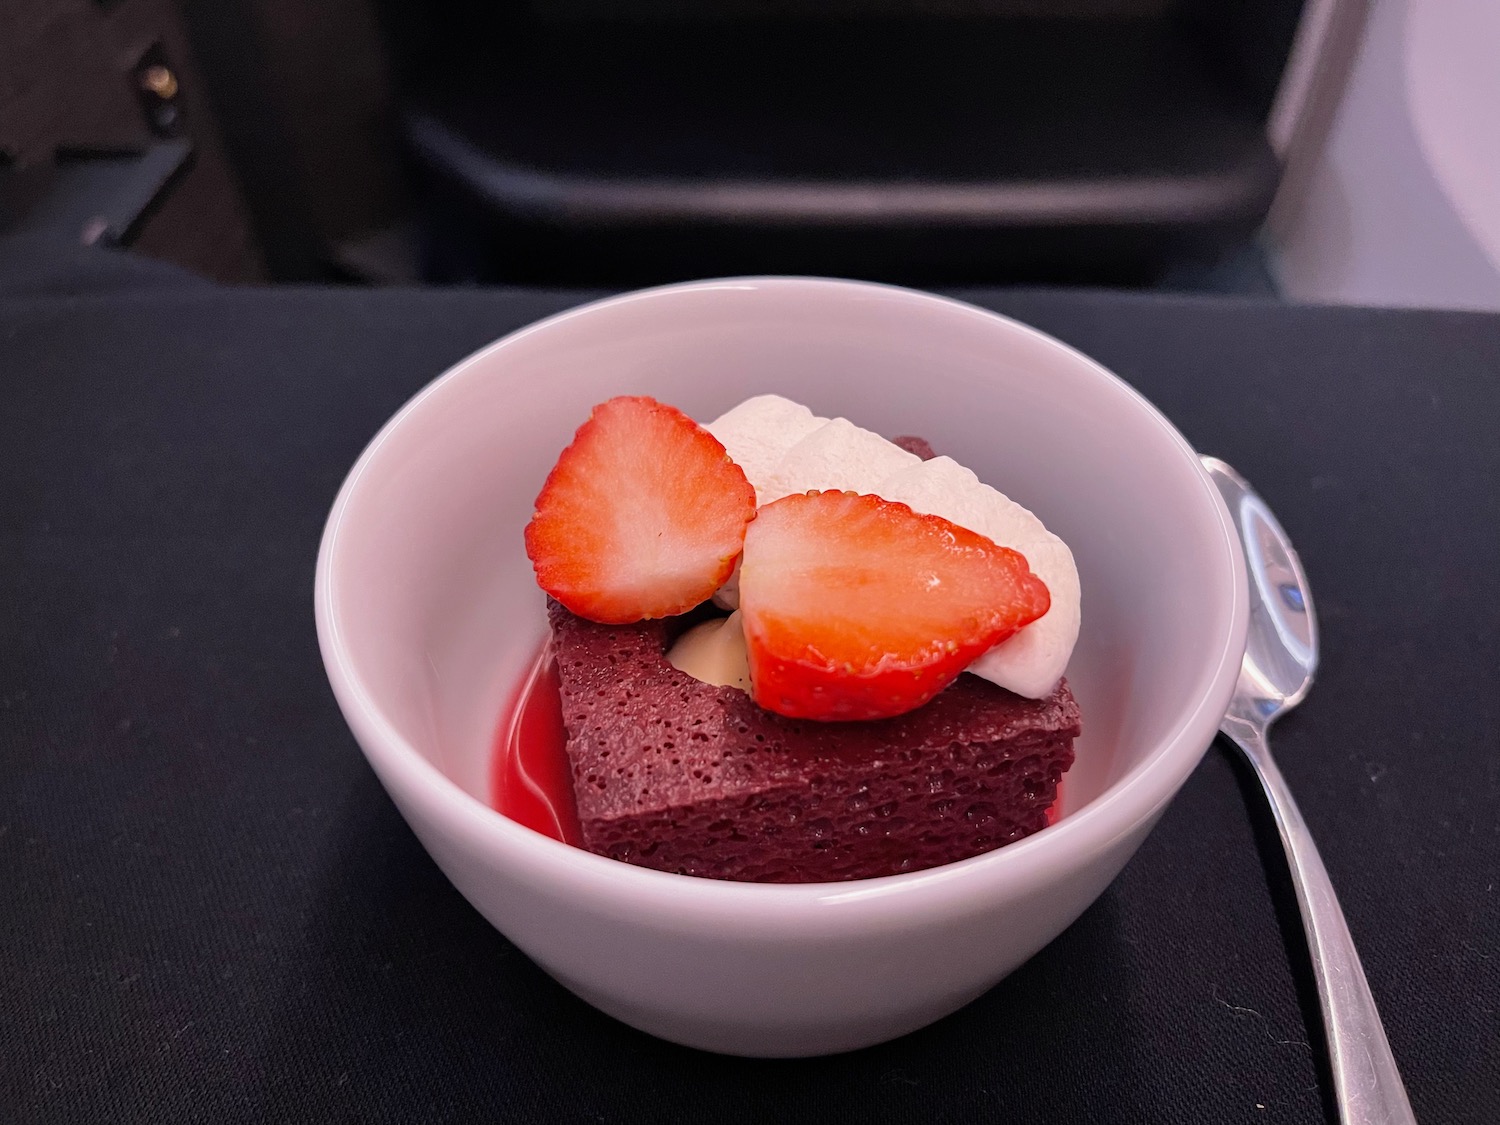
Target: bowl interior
(435, 601)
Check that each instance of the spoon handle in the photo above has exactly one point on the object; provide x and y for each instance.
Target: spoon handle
(1365, 1077)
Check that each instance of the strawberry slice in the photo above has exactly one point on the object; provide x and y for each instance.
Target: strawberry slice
(642, 516)
(859, 608)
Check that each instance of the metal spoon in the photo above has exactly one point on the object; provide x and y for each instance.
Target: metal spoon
(1281, 654)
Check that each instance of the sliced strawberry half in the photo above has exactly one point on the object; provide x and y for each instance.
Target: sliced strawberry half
(859, 608)
(642, 516)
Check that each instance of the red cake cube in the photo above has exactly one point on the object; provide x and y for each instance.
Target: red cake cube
(683, 776)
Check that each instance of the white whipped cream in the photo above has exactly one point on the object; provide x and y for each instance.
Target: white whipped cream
(784, 448)
(759, 432)
(713, 652)
(837, 456)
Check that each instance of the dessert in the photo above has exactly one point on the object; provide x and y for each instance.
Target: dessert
(855, 607)
(826, 729)
(777, 441)
(643, 515)
(690, 777)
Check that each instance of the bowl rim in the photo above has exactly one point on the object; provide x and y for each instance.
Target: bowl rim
(1128, 803)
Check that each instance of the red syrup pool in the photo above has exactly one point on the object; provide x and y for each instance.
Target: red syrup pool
(529, 778)
(529, 773)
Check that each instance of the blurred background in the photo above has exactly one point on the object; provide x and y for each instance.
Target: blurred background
(1327, 150)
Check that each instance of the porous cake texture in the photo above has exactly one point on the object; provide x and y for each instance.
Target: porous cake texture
(683, 776)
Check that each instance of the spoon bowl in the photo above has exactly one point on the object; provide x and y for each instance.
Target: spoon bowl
(1281, 647)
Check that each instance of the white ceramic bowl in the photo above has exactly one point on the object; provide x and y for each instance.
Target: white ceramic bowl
(428, 615)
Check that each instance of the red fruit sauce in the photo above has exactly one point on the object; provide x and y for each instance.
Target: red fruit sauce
(529, 776)
(530, 780)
